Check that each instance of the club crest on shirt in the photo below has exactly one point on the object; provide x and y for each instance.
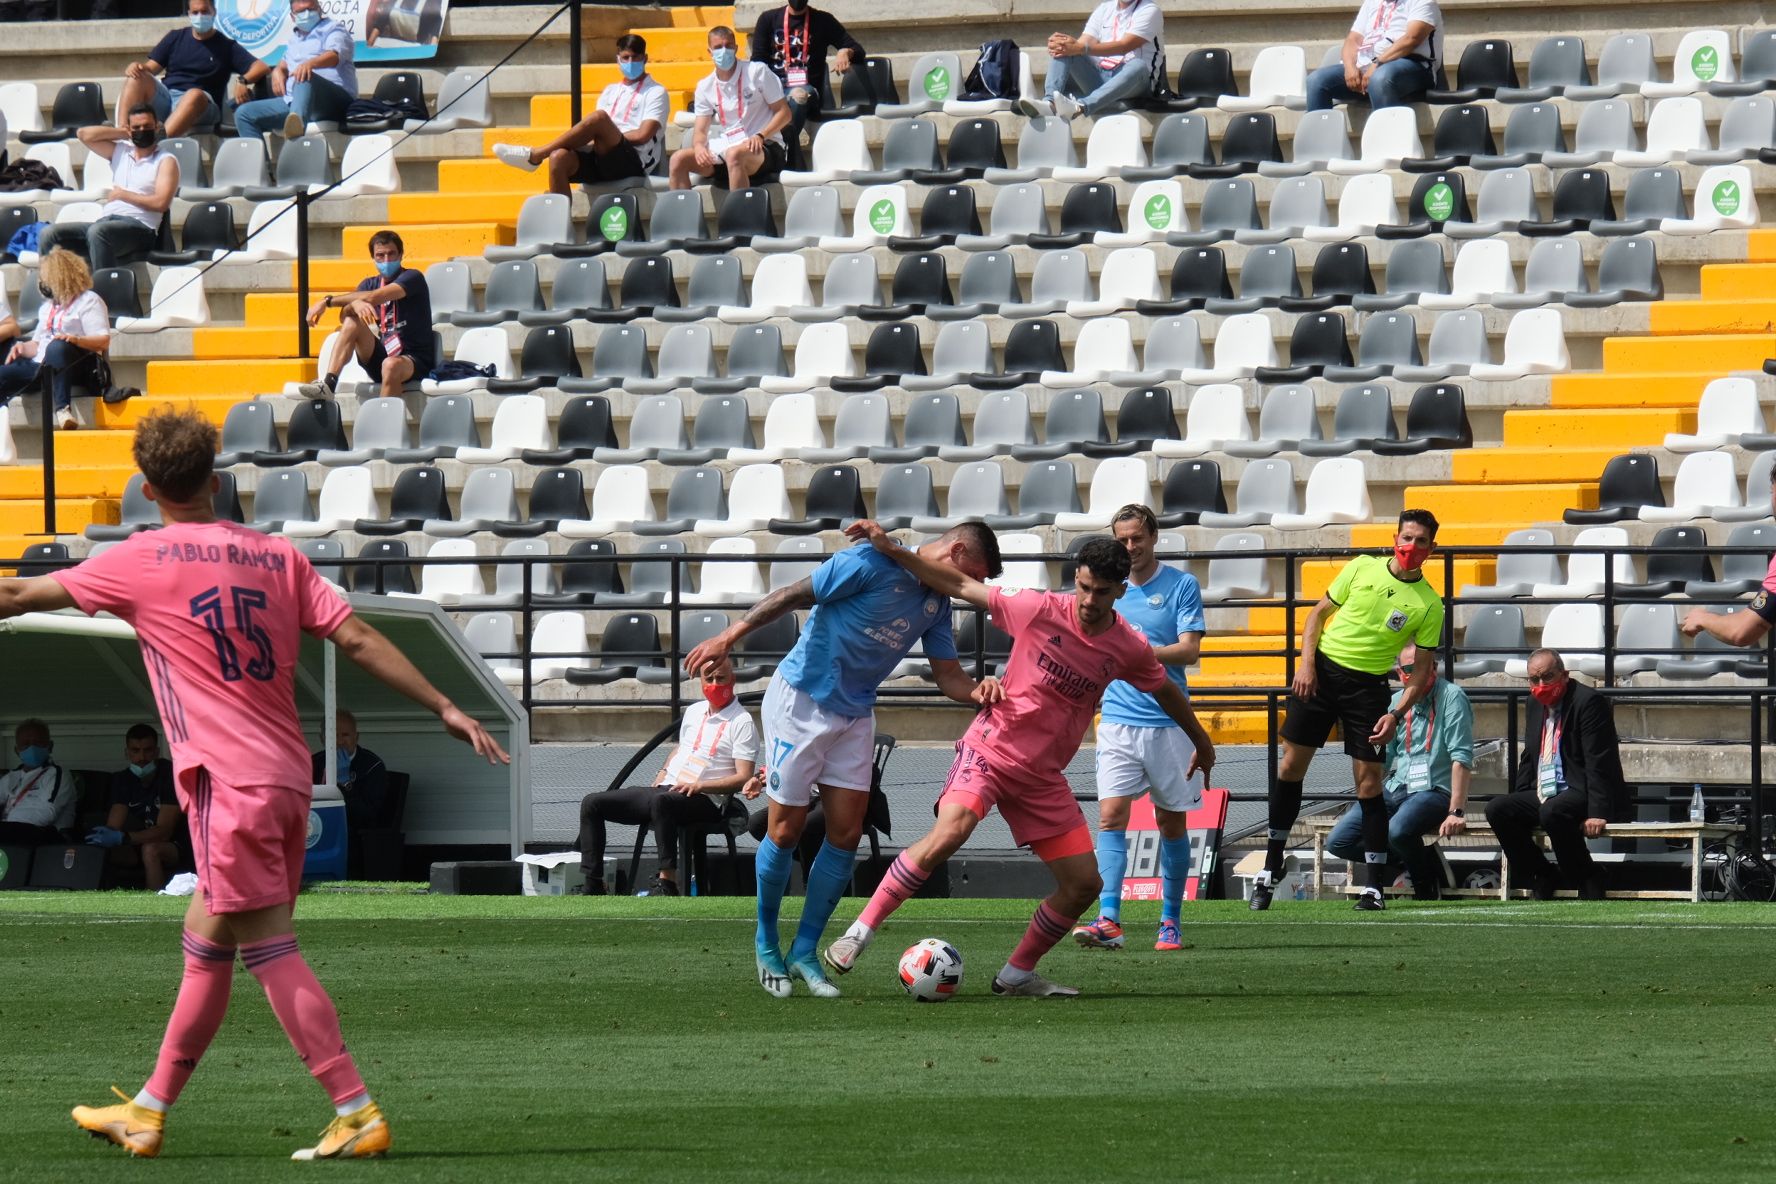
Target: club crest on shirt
(1010, 591)
(1155, 601)
(931, 606)
(1396, 620)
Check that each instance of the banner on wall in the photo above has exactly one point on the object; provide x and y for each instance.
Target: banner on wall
(1206, 822)
(386, 30)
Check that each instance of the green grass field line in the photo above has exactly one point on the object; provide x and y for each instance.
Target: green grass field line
(615, 1039)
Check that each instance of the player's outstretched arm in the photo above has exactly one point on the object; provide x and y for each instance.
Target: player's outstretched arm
(364, 644)
(956, 683)
(1176, 704)
(38, 594)
(787, 599)
(940, 578)
(1737, 629)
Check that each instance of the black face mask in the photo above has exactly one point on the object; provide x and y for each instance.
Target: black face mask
(798, 5)
(143, 138)
(43, 291)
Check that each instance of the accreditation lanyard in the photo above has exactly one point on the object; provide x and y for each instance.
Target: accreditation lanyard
(692, 768)
(796, 73)
(1547, 769)
(1418, 765)
(738, 127)
(1110, 63)
(29, 786)
(1384, 20)
(634, 89)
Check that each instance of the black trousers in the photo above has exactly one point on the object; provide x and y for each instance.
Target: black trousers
(667, 814)
(1514, 818)
(23, 834)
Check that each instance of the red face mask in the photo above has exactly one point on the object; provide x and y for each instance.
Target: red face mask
(719, 695)
(1409, 557)
(1548, 693)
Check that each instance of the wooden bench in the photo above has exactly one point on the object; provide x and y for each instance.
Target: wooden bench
(1479, 834)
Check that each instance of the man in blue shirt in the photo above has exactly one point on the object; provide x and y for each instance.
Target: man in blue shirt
(314, 83)
(183, 78)
(1139, 747)
(1429, 761)
(819, 718)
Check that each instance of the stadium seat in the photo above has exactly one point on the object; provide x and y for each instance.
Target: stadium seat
(521, 422)
(588, 571)
(652, 582)
(1336, 492)
(208, 233)
(485, 346)
(116, 286)
(1724, 201)
(1144, 417)
(1458, 344)
(976, 490)
(1215, 419)
(1179, 142)
(1555, 64)
(686, 357)
(450, 583)
(1287, 417)
(1519, 572)
(1743, 573)
(1652, 197)
(934, 78)
(1049, 488)
(1554, 274)
(1199, 274)
(1437, 199)
(891, 355)
(677, 219)
(314, 424)
(1019, 211)
(1535, 343)
(1486, 66)
(962, 349)
(1365, 203)
(1494, 635)
(489, 499)
(1340, 274)
(988, 283)
(1623, 66)
(1585, 570)
(509, 578)
(1708, 657)
(512, 289)
(1576, 632)
(909, 147)
(620, 499)
(1705, 482)
(1001, 423)
(1703, 56)
(1044, 145)
(695, 495)
(20, 108)
(863, 422)
(1389, 340)
(76, 105)
(418, 497)
(1629, 483)
(1605, 128)
(1747, 129)
(813, 216)
(463, 101)
(932, 421)
(1506, 200)
(347, 494)
(621, 356)
(1317, 343)
(562, 636)
(1022, 573)
(949, 211)
(1266, 488)
(1228, 207)
(1532, 132)
(1233, 576)
(1363, 419)
(834, 498)
(1074, 420)
(1190, 489)
(1296, 204)
(1757, 65)
(281, 500)
(1680, 555)
(921, 283)
(1389, 137)
(822, 353)
(1728, 410)
(722, 423)
(137, 514)
(1482, 272)
(614, 218)
(1105, 346)
(1278, 79)
(1461, 134)
(326, 555)
(728, 583)
(303, 165)
(839, 150)
(1436, 418)
(1322, 140)
(1674, 129)
(975, 145)
(584, 427)
(368, 168)
(247, 429)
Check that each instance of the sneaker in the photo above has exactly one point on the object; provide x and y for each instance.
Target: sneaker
(66, 421)
(312, 390)
(1035, 108)
(1067, 107)
(1168, 937)
(808, 970)
(362, 1134)
(1370, 901)
(842, 954)
(1102, 934)
(773, 975)
(136, 1129)
(659, 886)
(1263, 888)
(295, 127)
(1035, 987)
(516, 155)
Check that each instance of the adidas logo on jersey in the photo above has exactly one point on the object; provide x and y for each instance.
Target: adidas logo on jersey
(1055, 640)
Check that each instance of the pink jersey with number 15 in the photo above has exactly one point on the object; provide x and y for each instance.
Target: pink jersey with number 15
(1054, 680)
(219, 611)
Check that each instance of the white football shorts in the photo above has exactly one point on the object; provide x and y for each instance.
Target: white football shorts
(1133, 760)
(806, 746)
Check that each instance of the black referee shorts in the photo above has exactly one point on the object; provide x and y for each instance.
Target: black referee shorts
(1341, 696)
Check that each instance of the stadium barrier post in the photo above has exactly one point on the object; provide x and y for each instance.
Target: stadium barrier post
(1449, 616)
(1755, 824)
(49, 435)
(576, 54)
(1609, 618)
(1289, 652)
(677, 614)
(302, 342)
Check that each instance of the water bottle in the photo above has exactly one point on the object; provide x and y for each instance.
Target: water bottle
(1300, 888)
(1698, 807)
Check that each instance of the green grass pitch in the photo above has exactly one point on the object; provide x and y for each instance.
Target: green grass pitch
(594, 1039)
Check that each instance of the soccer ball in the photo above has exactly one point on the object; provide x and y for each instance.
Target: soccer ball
(931, 971)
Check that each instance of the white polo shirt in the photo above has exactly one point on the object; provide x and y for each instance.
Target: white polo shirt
(710, 744)
(39, 797)
(137, 175)
(739, 108)
(1112, 21)
(1383, 22)
(631, 104)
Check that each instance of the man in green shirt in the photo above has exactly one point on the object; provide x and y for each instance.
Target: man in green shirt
(1430, 758)
(1376, 607)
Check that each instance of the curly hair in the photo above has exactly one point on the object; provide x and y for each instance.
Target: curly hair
(65, 274)
(176, 451)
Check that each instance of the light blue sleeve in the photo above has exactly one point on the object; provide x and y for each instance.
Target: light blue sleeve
(340, 42)
(1460, 737)
(845, 574)
(940, 636)
(1190, 606)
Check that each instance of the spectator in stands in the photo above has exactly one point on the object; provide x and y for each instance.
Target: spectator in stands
(183, 78)
(744, 103)
(314, 83)
(793, 40)
(72, 337)
(144, 178)
(1429, 761)
(1118, 57)
(1569, 782)
(145, 828)
(1392, 55)
(1741, 629)
(359, 773)
(625, 137)
(386, 325)
(9, 326)
(38, 799)
(716, 757)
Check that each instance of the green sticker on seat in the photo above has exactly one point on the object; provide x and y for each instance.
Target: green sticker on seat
(1706, 63)
(613, 224)
(1158, 211)
(883, 216)
(1439, 202)
(937, 84)
(1726, 198)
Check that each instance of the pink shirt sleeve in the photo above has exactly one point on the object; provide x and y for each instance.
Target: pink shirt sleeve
(1013, 609)
(323, 608)
(105, 583)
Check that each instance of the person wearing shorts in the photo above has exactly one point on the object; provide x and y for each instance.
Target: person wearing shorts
(1140, 750)
(386, 324)
(819, 720)
(740, 116)
(219, 611)
(1065, 651)
(625, 137)
(183, 78)
(1376, 607)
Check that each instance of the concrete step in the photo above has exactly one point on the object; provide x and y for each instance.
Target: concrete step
(1504, 466)
(25, 482)
(253, 342)
(343, 274)
(1674, 388)
(1715, 314)
(495, 206)
(1674, 353)
(1570, 428)
(233, 378)
(1527, 503)
(126, 415)
(89, 449)
(436, 240)
(1316, 575)
(73, 514)
(486, 175)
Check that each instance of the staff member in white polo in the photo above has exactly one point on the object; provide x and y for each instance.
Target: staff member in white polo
(625, 137)
(1119, 56)
(1140, 749)
(144, 178)
(741, 114)
(1392, 55)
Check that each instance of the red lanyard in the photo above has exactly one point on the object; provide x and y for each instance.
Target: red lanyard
(1430, 727)
(1384, 15)
(721, 112)
(807, 20)
(29, 786)
(634, 98)
(1551, 730)
(697, 744)
(57, 314)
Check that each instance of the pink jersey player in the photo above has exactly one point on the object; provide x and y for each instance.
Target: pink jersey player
(219, 611)
(1065, 651)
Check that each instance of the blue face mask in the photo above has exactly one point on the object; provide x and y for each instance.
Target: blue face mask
(203, 22)
(724, 58)
(306, 21)
(390, 268)
(34, 757)
(144, 771)
(344, 764)
(633, 69)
